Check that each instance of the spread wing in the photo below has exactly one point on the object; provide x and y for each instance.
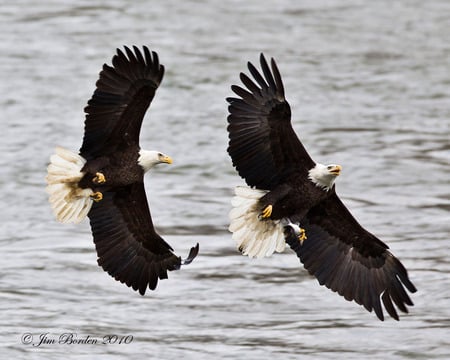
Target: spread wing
(347, 259)
(124, 91)
(127, 245)
(262, 143)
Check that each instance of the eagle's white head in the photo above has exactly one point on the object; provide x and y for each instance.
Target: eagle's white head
(323, 176)
(148, 159)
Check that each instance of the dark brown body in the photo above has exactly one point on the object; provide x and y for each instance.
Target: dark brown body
(293, 199)
(120, 169)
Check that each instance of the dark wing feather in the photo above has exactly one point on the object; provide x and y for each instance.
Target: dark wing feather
(262, 143)
(351, 261)
(123, 94)
(127, 245)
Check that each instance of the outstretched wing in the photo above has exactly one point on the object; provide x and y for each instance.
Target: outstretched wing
(346, 258)
(124, 92)
(262, 143)
(127, 245)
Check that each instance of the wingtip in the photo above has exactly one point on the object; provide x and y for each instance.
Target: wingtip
(119, 51)
(142, 291)
(192, 255)
(250, 66)
(262, 58)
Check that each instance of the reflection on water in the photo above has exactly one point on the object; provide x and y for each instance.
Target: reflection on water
(369, 89)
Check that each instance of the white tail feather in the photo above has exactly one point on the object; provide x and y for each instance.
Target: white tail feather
(253, 237)
(69, 202)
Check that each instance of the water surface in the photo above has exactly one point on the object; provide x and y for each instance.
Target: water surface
(368, 84)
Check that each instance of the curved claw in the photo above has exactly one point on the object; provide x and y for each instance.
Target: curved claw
(97, 196)
(267, 211)
(302, 236)
(99, 178)
(295, 231)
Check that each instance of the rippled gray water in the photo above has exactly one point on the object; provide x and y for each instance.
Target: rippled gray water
(369, 84)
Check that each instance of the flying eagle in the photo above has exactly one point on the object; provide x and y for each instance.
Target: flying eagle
(292, 199)
(106, 180)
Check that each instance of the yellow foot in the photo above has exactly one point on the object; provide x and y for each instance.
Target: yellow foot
(97, 196)
(99, 178)
(265, 214)
(302, 237)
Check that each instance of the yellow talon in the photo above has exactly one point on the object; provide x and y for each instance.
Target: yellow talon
(99, 178)
(267, 212)
(97, 196)
(302, 237)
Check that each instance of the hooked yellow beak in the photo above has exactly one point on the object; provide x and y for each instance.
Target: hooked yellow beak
(335, 170)
(167, 160)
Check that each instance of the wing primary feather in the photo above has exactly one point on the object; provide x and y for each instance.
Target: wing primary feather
(399, 295)
(120, 62)
(278, 81)
(267, 73)
(377, 304)
(155, 59)
(389, 306)
(403, 274)
(148, 56)
(244, 94)
(143, 279)
(250, 84)
(139, 56)
(255, 73)
(153, 276)
(135, 273)
(192, 255)
(162, 273)
(131, 57)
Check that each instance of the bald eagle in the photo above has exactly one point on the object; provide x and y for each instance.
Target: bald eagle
(105, 181)
(292, 199)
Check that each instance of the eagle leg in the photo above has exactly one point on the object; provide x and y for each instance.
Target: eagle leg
(302, 236)
(271, 199)
(298, 231)
(267, 211)
(97, 196)
(99, 178)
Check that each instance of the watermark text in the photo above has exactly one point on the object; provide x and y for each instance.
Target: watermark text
(72, 338)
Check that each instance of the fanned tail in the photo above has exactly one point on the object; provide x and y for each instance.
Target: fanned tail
(69, 202)
(254, 237)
